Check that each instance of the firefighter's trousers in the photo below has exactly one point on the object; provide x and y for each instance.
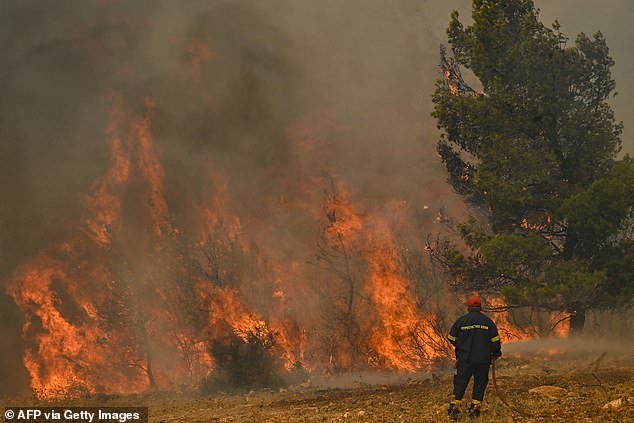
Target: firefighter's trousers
(465, 370)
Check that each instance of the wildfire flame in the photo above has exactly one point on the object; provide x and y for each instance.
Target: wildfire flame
(510, 331)
(108, 301)
(129, 302)
(77, 324)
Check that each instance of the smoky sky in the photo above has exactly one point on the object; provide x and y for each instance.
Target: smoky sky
(229, 80)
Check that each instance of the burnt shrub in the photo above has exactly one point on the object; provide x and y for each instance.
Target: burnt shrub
(245, 360)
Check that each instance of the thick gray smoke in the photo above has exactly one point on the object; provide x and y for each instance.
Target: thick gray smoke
(229, 80)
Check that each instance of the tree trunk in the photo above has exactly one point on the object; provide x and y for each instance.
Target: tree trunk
(150, 374)
(569, 245)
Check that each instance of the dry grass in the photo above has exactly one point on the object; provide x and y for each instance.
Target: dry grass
(590, 379)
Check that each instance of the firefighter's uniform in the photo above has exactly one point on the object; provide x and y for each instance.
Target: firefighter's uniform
(477, 342)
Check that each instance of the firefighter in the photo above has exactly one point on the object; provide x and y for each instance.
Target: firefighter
(477, 344)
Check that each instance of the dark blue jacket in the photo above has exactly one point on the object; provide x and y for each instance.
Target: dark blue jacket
(476, 338)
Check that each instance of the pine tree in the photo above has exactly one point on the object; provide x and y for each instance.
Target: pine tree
(534, 144)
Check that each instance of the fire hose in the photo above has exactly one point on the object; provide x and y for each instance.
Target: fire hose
(501, 396)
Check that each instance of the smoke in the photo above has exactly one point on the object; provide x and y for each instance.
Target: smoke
(232, 84)
(576, 347)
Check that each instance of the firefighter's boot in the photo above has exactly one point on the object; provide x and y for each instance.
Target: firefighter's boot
(474, 409)
(454, 410)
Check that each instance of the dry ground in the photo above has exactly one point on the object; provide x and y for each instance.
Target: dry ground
(591, 379)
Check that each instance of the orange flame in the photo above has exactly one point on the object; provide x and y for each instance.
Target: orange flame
(199, 54)
(76, 331)
(396, 308)
(98, 323)
(558, 324)
(104, 201)
(70, 347)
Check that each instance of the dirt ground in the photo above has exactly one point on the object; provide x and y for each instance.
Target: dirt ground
(589, 381)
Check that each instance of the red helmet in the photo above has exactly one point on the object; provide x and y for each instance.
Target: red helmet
(474, 301)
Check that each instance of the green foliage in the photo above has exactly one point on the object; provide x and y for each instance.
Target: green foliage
(618, 261)
(473, 233)
(601, 213)
(517, 177)
(517, 255)
(558, 286)
(535, 145)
